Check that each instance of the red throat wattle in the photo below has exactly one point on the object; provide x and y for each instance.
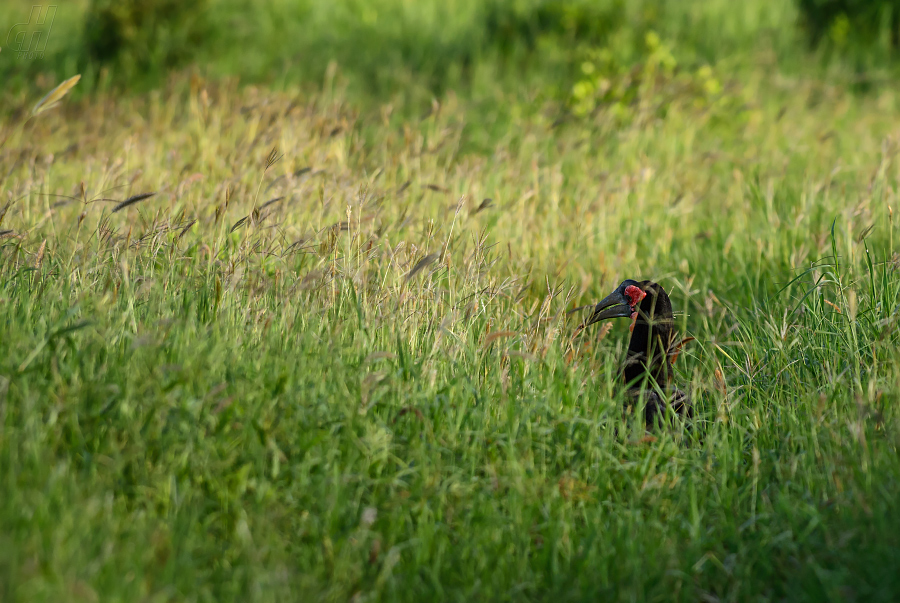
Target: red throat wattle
(634, 294)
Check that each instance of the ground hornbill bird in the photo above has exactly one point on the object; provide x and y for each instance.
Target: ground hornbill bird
(648, 370)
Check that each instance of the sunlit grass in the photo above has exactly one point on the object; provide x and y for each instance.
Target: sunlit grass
(338, 372)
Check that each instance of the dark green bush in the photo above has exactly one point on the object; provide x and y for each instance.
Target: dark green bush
(144, 34)
(856, 21)
(509, 24)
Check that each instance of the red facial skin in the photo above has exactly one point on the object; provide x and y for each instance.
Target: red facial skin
(635, 295)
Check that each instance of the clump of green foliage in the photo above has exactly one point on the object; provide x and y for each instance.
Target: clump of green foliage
(509, 25)
(138, 35)
(842, 22)
(647, 88)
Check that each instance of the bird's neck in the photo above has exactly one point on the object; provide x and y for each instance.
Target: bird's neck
(648, 352)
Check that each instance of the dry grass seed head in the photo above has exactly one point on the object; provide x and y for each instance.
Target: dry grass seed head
(53, 98)
(132, 200)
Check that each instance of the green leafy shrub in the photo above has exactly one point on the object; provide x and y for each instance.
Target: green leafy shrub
(510, 23)
(843, 21)
(649, 86)
(144, 34)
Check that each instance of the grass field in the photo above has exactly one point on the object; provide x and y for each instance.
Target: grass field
(330, 360)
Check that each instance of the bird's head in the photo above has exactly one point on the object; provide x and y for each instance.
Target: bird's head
(623, 302)
(642, 301)
(652, 347)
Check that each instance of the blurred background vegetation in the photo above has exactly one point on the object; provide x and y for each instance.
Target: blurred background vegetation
(406, 51)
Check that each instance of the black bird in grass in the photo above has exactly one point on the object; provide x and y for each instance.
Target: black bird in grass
(654, 346)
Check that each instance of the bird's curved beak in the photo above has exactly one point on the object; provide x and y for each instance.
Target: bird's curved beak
(614, 305)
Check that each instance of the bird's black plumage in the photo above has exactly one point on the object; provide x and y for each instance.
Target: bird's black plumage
(647, 370)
